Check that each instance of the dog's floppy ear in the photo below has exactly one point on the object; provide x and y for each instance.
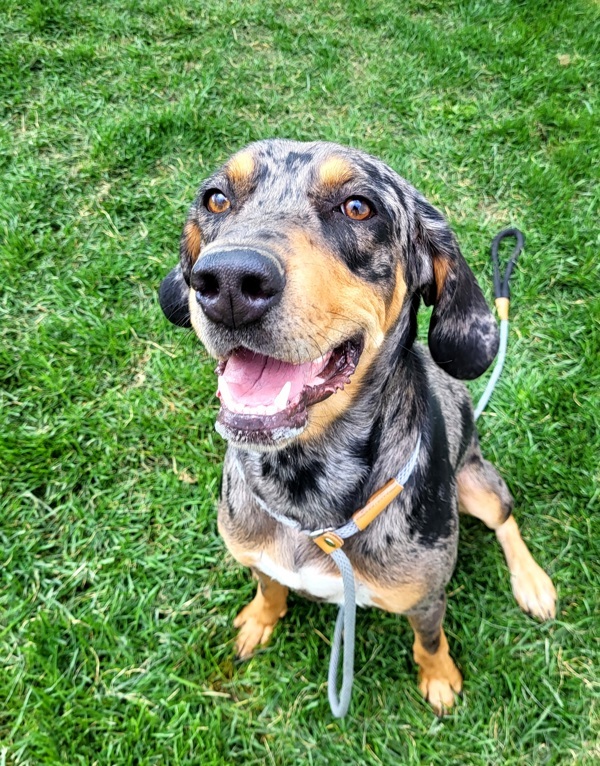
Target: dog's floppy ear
(463, 334)
(173, 295)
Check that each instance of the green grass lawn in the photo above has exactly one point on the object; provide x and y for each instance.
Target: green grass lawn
(117, 596)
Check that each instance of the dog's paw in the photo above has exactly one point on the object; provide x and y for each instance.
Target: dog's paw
(256, 625)
(534, 591)
(440, 690)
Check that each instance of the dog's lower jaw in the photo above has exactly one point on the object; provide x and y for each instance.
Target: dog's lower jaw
(258, 441)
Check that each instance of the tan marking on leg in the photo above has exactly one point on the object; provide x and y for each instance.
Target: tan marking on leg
(192, 240)
(396, 600)
(475, 500)
(245, 557)
(531, 586)
(257, 620)
(439, 678)
(335, 171)
(240, 167)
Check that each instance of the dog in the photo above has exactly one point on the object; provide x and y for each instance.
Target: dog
(302, 268)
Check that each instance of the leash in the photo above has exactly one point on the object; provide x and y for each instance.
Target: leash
(502, 301)
(331, 540)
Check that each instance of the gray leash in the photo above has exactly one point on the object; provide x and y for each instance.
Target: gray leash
(502, 300)
(345, 629)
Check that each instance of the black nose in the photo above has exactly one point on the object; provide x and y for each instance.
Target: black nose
(235, 287)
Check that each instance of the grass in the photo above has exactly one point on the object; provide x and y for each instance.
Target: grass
(116, 593)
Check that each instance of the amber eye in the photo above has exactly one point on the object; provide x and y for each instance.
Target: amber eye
(217, 202)
(357, 208)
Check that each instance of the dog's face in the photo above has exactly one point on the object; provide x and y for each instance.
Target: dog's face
(297, 261)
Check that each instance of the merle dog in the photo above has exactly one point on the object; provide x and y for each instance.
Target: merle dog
(302, 269)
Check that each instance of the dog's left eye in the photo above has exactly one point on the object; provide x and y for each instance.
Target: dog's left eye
(216, 202)
(357, 208)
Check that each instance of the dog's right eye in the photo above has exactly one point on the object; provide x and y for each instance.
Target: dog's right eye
(216, 202)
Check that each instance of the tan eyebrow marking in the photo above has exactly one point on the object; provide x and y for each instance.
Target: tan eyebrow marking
(240, 167)
(335, 171)
(193, 239)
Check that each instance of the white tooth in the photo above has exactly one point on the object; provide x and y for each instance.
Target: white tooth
(282, 397)
(225, 393)
(320, 363)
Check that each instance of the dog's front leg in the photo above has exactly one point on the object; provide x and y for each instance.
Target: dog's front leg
(258, 618)
(439, 678)
(482, 493)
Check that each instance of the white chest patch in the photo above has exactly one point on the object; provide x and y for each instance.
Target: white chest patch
(311, 579)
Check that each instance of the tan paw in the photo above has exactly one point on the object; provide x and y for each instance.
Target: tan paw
(440, 691)
(534, 591)
(256, 626)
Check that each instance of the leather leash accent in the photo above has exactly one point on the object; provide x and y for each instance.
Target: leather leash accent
(330, 541)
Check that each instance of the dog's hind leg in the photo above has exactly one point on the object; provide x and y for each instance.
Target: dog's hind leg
(439, 678)
(482, 493)
(258, 618)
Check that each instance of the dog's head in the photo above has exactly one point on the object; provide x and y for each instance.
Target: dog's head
(297, 261)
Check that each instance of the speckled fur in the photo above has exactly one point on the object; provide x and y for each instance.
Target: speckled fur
(381, 270)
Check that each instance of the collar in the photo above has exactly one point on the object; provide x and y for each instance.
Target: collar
(330, 539)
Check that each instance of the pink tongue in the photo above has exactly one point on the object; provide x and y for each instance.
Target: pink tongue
(254, 379)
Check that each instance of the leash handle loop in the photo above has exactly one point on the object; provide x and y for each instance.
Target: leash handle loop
(501, 286)
(502, 294)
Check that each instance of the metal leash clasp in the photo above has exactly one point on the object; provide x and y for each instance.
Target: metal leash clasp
(327, 539)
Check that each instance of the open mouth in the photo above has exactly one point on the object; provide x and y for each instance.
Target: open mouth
(265, 400)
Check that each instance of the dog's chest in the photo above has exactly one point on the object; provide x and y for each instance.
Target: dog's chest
(288, 558)
(311, 580)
